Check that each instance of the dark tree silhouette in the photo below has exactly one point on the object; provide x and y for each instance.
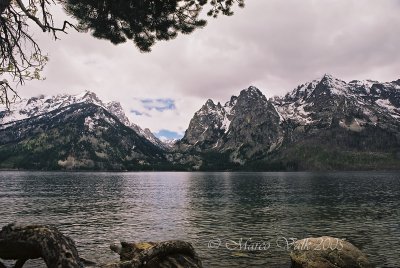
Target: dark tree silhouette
(143, 21)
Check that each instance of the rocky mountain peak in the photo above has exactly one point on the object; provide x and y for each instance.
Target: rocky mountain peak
(209, 106)
(324, 88)
(251, 92)
(115, 108)
(328, 77)
(206, 125)
(229, 104)
(89, 96)
(210, 103)
(334, 85)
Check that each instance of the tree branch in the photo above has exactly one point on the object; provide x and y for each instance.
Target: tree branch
(46, 27)
(32, 17)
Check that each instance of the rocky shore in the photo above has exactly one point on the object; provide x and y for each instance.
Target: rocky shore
(23, 242)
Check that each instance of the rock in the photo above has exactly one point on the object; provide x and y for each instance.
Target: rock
(168, 254)
(23, 242)
(87, 263)
(327, 252)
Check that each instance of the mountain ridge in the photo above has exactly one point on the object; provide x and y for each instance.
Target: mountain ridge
(78, 136)
(28, 108)
(350, 115)
(323, 124)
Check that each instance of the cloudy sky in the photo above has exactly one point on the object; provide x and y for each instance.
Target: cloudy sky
(271, 44)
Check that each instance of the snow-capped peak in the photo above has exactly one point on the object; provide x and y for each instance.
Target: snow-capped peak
(326, 85)
(35, 106)
(304, 103)
(86, 96)
(168, 142)
(334, 85)
(26, 108)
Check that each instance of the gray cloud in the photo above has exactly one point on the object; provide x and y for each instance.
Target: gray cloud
(274, 45)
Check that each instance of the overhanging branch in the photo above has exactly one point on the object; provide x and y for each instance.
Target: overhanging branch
(21, 57)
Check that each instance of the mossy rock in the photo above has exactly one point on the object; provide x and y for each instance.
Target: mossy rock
(327, 252)
(167, 254)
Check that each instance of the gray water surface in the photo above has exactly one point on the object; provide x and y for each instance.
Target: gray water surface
(211, 210)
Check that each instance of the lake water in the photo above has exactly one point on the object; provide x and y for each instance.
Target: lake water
(211, 209)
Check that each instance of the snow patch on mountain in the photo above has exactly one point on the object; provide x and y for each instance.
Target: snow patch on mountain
(387, 105)
(89, 124)
(366, 85)
(294, 111)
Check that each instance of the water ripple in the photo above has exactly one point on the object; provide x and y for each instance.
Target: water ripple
(96, 209)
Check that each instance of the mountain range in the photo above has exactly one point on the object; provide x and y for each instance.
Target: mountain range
(325, 124)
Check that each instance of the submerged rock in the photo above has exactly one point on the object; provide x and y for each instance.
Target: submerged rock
(327, 252)
(168, 254)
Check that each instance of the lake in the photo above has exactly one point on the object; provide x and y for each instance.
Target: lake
(214, 211)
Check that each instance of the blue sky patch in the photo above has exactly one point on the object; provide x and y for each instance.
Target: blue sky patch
(158, 104)
(164, 133)
(139, 113)
(136, 112)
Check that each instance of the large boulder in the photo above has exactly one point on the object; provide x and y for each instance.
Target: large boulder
(327, 252)
(22, 242)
